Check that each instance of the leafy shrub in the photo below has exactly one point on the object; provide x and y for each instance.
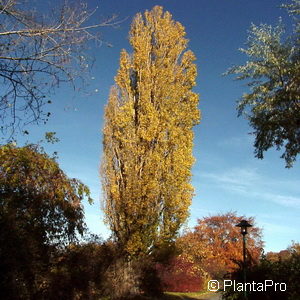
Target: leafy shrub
(78, 271)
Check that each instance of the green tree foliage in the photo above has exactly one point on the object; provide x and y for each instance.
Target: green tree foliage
(40, 210)
(148, 136)
(273, 73)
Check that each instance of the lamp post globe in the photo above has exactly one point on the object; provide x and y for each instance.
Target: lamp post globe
(244, 224)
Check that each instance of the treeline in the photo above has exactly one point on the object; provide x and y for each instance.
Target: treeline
(47, 253)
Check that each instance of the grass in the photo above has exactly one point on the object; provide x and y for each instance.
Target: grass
(185, 296)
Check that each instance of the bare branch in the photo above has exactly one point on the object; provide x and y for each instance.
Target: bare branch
(37, 53)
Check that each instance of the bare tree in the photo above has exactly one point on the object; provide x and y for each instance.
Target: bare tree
(37, 53)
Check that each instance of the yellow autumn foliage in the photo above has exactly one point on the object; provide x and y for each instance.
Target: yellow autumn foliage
(148, 137)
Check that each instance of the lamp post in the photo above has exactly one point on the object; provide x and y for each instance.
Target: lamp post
(244, 230)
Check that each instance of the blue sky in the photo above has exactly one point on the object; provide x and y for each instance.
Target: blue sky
(226, 176)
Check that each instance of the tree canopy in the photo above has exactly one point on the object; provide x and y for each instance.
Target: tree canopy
(40, 210)
(222, 243)
(148, 137)
(273, 73)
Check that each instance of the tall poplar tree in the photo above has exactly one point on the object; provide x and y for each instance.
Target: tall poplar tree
(148, 137)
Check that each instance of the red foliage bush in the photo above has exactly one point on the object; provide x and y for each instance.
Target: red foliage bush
(180, 276)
